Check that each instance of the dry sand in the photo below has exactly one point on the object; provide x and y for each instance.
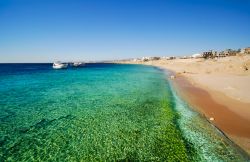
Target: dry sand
(217, 88)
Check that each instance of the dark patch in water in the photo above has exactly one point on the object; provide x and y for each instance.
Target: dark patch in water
(42, 124)
(3, 140)
(9, 115)
(14, 148)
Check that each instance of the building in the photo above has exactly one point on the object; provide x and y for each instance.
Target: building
(214, 53)
(164, 57)
(155, 58)
(242, 51)
(136, 60)
(221, 54)
(145, 59)
(197, 55)
(208, 54)
(247, 50)
(230, 52)
(172, 57)
(150, 58)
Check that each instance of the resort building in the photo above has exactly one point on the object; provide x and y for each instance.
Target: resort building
(221, 54)
(229, 52)
(197, 55)
(247, 50)
(150, 58)
(208, 54)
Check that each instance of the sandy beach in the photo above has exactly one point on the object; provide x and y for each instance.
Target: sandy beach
(217, 88)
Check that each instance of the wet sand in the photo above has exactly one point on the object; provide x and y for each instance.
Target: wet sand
(236, 126)
(217, 88)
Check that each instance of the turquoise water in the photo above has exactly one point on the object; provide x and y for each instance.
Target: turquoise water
(103, 112)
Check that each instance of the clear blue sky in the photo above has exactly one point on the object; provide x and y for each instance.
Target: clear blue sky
(50, 30)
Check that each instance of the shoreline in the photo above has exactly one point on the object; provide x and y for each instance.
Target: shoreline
(219, 132)
(240, 132)
(217, 89)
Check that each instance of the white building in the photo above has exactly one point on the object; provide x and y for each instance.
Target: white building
(197, 55)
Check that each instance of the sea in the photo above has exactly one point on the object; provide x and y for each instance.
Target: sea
(102, 112)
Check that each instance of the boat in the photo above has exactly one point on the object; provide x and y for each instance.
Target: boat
(78, 64)
(59, 65)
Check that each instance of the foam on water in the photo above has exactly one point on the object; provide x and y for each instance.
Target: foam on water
(209, 143)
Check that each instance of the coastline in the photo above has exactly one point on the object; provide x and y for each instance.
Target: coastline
(153, 115)
(218, 89)
(234, 126)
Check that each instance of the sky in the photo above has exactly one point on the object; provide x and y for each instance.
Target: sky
(91, 30)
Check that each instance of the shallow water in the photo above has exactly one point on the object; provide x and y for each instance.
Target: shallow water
(209, 143)
(101, 112)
